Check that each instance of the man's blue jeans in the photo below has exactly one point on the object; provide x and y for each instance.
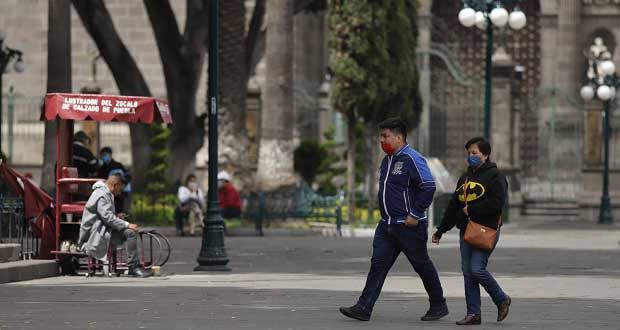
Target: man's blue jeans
(389, 242)
(474, 267)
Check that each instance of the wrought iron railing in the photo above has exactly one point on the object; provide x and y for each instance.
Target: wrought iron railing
(16, 229)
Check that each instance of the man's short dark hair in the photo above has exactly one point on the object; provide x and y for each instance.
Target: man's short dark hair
(396, 125)
(106, 150)
(119, 177)
(483, 145)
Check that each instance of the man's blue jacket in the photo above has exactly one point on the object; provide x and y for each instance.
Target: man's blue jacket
(406, 186)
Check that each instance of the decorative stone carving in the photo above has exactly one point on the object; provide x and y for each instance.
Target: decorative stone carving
(601, 2)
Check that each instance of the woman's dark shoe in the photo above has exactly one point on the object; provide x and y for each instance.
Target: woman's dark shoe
(435, 313)
(472, 319)
(355, 312)
(502, 309)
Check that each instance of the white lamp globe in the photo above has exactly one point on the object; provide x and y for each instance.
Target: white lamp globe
(467, 17)
(19, 66)
(587, 92)
(608, 67)
(481, 20)
(517, 19)
(499, 17)
(603, 92)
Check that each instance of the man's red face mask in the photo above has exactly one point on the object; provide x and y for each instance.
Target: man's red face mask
(389, 141)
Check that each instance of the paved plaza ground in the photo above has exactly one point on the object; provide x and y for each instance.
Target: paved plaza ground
(558, 279)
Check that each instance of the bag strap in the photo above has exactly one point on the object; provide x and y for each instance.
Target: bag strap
(499, 221)
(465, 190)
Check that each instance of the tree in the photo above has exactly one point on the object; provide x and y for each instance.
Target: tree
(58, 78)
(275, 153)
(97, 21)
(372, 56)
(183, 57)
(310, 160)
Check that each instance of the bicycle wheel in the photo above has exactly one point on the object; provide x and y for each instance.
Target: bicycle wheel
(165, 248)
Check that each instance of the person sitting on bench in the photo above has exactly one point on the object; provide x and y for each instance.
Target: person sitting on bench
(100, 226)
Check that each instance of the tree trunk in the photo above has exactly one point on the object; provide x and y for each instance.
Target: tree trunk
(182, 59)
(370, 161)
(129, 79)
(275, 156)
(351, 165)
(233, 139)
(58, 78)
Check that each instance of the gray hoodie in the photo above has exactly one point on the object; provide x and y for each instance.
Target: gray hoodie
(98, 221)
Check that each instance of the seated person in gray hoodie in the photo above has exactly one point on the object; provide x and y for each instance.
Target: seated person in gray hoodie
(100, 226)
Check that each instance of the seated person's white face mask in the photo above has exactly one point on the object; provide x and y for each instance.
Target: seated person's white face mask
(192, 185)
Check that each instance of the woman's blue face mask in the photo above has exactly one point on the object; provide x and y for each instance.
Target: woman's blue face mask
(474, 161)
(106, 159)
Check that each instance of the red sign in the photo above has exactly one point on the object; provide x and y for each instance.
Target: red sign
(131, 109)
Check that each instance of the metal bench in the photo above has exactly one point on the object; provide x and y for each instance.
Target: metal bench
(292, 202)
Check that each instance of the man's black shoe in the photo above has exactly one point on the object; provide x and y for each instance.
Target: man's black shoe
(355, 312)
(139, 272)
(435, 313)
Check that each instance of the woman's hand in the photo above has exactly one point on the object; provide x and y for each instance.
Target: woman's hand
(436, 238)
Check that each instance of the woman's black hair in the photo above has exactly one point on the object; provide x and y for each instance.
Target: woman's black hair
(482, 143)
(189, 177)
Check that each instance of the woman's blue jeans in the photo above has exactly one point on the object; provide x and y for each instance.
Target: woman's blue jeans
(474, 266)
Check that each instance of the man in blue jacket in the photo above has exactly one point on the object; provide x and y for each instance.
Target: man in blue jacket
(406, 191)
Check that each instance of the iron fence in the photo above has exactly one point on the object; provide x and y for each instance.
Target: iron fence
(16, 229)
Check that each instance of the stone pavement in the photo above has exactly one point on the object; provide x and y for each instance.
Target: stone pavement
(559, 279)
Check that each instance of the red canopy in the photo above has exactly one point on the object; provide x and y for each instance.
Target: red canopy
(131, 109)
(37, 204)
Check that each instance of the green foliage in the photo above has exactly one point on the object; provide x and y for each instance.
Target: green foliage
(310, 159)
(157, 182)
(372, 56)
(328, 171)
(150, 211)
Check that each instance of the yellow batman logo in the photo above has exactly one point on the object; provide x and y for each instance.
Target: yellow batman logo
(474, 191)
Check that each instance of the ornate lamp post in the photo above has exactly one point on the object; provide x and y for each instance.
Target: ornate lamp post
(602, 83)
(212, 253)
(6, 56)
(485, 14)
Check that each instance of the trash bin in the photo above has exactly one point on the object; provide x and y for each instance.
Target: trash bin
(506, 209)
(440, 203)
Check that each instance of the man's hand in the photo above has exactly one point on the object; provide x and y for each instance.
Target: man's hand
(436, 238)
(133, 226)
(411, 221)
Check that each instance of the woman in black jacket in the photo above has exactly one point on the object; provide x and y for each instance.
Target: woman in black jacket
(485, 189)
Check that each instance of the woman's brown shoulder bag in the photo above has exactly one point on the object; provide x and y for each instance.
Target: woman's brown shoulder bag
(481, 237)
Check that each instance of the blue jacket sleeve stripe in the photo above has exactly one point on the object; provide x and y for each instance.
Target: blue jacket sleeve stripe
(424, 186)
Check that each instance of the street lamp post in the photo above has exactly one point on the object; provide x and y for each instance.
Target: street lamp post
(602, 83)
(6, 56)
(485, 14)
(212, 255)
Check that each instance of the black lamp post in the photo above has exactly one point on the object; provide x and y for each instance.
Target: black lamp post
(212, 253)
(485, 14)
(602, 81)
(6, 55)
